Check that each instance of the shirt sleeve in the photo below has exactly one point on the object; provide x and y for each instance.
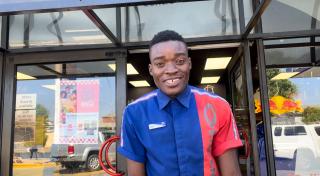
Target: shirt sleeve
(130, 145)
(227, 136)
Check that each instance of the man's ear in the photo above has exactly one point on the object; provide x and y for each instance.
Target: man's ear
(190, 63)
(150, 69)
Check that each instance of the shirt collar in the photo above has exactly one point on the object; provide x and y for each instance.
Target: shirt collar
(183, 98)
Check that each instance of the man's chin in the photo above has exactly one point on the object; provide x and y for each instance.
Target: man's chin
(172, 92)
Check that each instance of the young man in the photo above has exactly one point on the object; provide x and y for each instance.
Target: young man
(178, 129)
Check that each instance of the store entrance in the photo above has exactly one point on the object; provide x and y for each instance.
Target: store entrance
(59, 108)
(218, 70)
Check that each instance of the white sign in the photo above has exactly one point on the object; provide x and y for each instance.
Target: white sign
(25, 117)
(26, 101)
(29, 5)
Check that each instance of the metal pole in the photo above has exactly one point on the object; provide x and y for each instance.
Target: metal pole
(252, 117)
(265, 110)
(5, 32)
(121, 102)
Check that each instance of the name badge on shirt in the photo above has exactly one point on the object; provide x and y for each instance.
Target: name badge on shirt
(156, 125)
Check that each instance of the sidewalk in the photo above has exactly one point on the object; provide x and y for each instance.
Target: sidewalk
(33, 163)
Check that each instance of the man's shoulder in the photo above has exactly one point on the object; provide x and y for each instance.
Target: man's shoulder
(143, 99)
(135, 109)
(208, 95)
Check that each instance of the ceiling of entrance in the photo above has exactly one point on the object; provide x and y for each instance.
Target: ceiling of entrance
(140, 62)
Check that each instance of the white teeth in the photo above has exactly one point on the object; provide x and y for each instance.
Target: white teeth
(172, 81)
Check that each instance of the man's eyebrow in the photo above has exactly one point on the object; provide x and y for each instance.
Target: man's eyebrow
(163, 57)
(181, 54)
(158, 58)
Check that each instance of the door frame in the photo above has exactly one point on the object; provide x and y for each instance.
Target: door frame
(242, 58)
(11, 61)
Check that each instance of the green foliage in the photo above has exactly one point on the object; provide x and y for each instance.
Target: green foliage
(311, 115)
(42, 116)
(282, 87)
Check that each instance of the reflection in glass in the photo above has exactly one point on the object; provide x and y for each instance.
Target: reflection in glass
(191, 19)
(286, 41)
(293, 15)
(54, 29)
(108, 16)
(63, 113)
(295, 114)
(280, 56)
(247, 4)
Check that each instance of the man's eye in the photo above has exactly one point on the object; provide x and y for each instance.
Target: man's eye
(159, 64)
(180, 61)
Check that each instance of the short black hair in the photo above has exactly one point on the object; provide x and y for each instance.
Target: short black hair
(166, 35)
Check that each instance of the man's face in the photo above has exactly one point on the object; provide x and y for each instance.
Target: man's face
(170, 66)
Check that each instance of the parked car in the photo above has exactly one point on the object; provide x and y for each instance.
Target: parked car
(72, 156)
(298, 143)
(288, 140)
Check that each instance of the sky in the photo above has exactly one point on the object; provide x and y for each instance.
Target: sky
(308, 90)
(46, 97)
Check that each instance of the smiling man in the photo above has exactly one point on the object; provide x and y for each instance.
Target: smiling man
(178, 129)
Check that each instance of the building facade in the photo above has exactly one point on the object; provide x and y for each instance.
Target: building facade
(68, 72)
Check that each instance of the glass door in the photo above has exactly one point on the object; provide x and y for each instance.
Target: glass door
(295, 119)
(241, 114)
(58, 108)
(63, 112)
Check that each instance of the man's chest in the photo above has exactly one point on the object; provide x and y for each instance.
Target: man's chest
(176, 128)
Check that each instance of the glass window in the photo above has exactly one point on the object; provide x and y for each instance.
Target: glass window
(54, 29)
(294, 131)
(291, 15)
(286, 41)
(285, 56)
(63, 113)
(247, 4)
(108, 16)
(277, 131)
(190, 19)
(317, 129)
(294, 105)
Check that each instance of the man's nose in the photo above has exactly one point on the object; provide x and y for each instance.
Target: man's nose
(171, 68)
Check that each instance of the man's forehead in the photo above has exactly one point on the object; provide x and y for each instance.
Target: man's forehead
(168, 46)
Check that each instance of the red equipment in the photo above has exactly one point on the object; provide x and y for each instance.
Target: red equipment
(106, 145)
(247, 147)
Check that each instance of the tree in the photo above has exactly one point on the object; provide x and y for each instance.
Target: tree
(311, 115)
(41, 124)
(283, 87)
(42, 115)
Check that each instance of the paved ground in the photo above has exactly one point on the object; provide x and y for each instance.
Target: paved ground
(55, 171)
(45, 167)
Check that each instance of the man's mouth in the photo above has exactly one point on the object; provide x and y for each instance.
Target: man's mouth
(172, 82)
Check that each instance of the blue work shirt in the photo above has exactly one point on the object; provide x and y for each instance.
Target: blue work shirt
(177, 136)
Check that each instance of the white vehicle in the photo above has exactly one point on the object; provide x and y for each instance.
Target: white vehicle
(73, 156)
(290, 140)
